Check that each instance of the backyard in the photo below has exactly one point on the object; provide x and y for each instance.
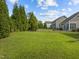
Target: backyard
(40, 45)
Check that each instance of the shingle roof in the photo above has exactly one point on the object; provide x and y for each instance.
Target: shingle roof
(48, 22)
(70, 18)
(59, 18)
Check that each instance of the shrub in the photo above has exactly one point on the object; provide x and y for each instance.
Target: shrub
(74, 30)
(78, 30)
(60, 29)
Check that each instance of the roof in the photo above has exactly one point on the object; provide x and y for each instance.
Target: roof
(59, 18)
(71, 17)
(48, 22)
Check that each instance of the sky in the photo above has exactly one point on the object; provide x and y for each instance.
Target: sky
(47, 10)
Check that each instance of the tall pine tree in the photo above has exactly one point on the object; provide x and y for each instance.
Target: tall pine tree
(40, 25)
(23, 19)
(33, 22)
(15, 16)
(4, 20)
(45, 26)
(19, 17)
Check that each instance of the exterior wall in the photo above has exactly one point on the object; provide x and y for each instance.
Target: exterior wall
(54, 26)
(66, 26)
(48, 25)
(58, 22)
(76, 21)
(77, 25)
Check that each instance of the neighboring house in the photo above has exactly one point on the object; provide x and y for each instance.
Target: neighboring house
(57, 23)
(48, 23)
(71, 23)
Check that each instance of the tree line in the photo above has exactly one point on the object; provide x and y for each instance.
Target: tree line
(18, 21)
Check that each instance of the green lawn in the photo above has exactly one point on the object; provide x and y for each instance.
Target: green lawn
(40, 45)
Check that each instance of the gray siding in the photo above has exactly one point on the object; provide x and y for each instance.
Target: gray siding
(71, 22)
(57, 23)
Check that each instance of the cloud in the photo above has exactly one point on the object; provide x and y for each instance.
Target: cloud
(63, 10)
(75, 2)
(70, 3)
(69, 9)
(44, 8)
(49, 13)
(49, 18)
(26, 6)
(40, 2)
(13, 1)
(52, 13)
(64, 13)
(46, 3)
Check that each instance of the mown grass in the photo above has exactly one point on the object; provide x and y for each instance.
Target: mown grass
(40, 45)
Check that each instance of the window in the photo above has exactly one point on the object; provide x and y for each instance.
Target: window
(54, 26)
(66, 27)
(73, 26)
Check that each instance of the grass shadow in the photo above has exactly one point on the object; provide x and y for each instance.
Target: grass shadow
(72, 41)
(73, 35)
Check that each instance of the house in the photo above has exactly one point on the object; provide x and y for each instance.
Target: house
(71, 23)
(56, 24)
(48, 23)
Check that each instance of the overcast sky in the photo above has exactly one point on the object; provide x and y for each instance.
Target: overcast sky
(47, 10)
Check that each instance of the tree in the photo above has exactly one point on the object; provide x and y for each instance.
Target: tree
(45, 26)
(23, 19)
(15, 17)
(4, 20)
(12, 25)
(40, 25)
(20, 18)
(33, 23)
